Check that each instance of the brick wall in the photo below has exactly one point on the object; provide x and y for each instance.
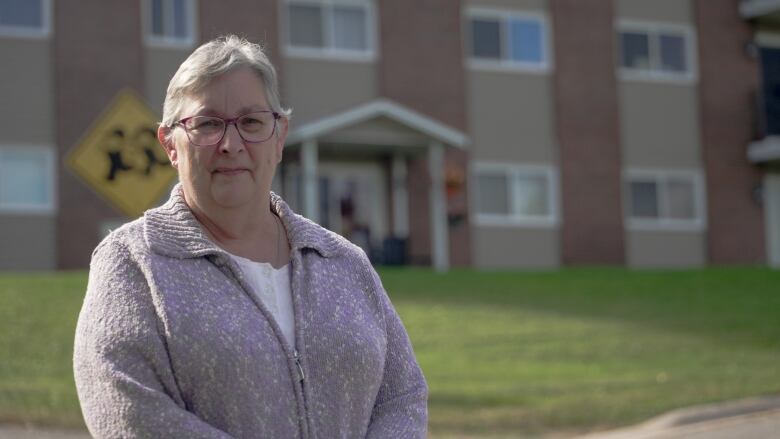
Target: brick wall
(586, 111)
(728, 80)
(97, 51)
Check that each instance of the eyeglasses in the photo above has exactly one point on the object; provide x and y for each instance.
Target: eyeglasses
(254, 127)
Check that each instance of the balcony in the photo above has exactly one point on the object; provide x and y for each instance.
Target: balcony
(761, 10)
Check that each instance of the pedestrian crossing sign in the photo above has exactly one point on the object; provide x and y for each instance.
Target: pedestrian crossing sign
(120, 158)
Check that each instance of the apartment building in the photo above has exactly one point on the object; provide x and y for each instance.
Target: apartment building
(528, 134)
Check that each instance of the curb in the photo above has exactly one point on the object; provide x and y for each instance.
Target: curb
(712, 412)
(690, 416)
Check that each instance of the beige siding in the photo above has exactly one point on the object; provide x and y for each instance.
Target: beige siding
(665, 249)
(28, 242)
(512, 247)
(511, 117)
(659, 125)
(26, 82)
(319, 88)
(656, 10)
(161, 64)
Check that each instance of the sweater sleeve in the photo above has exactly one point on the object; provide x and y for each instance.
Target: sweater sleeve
(401, 407)
(123, 375)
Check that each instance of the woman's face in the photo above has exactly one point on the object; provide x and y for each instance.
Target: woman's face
(233, 173)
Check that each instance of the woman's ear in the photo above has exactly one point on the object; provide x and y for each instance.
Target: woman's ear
(165, 137)
(281, 136)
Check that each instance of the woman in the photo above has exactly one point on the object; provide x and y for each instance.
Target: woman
(224, 314)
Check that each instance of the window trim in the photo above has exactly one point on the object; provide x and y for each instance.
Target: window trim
(37, 33)
(653, 30)
(48, 208)
(506, 64)
(166, 42)
(515, 219)
(662, 223)
(328, 52)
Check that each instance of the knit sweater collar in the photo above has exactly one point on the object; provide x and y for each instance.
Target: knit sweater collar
(172, 230)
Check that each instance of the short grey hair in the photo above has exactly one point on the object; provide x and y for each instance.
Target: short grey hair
(213, 59)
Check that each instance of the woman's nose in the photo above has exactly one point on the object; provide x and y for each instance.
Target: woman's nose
(231, 141)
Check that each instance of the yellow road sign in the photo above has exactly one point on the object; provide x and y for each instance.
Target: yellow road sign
(120, 157)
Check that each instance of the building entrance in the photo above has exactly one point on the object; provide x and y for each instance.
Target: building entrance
(354, 202)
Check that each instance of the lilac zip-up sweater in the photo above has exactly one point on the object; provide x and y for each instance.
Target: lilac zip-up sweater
(171, 343)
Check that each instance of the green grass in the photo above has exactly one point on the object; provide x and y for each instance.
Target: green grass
(585, 349)
(505, 354)
(38, 316)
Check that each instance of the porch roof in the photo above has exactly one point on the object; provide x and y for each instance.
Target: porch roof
(379, 109)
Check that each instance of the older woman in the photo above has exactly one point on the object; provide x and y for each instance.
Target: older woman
(223, 313)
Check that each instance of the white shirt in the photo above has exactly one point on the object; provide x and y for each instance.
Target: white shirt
(272, 287)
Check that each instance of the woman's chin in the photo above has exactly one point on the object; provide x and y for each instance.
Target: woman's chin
(231, 196)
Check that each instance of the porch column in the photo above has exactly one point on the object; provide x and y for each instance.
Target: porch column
(309, 165)
(772, 221)
(439, 236)
(400, 197)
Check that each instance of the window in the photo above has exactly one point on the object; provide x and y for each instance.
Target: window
(25, 18)
(664, 199)
(26, 180)
(514, 194)
(659, 52)
(331, 29)
(170, 23)
(504, 40)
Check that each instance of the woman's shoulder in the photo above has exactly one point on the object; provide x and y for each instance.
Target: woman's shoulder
(122, 240)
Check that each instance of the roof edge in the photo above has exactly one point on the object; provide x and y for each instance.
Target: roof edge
(380, 107)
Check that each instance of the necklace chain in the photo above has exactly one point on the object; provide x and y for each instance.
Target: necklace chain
(278, 238)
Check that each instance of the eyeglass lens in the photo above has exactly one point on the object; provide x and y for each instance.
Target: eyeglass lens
(209, 130)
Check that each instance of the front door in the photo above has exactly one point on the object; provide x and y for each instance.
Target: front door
(353, 202)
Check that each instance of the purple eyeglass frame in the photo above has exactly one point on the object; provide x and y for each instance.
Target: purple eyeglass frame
(232, 121)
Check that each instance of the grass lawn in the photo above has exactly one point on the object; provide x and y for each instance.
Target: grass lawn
(505, 354)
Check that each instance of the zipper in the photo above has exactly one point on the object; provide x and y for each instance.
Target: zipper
(230, 272)
(306, 430)
(298, 363)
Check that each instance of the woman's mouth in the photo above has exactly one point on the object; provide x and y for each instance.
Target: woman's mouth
(230, 171)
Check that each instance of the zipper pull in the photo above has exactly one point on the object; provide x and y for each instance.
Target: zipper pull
(298, 363)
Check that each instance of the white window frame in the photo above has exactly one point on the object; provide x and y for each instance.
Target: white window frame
(328, 52)
(550, 173)
(169, 42)
(506, 64)
(31, 32)
(653, 30)
(663, 223)
(34, 209)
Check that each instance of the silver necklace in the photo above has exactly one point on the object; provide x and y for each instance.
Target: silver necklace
(278, 238)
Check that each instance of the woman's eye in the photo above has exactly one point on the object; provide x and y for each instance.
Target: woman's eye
(252, 121)
(205, 124)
